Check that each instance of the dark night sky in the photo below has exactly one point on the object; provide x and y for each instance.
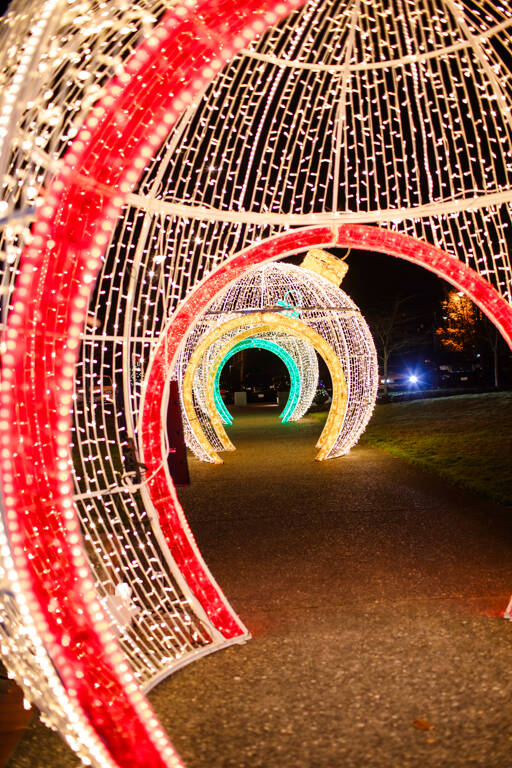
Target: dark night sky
(374, 279)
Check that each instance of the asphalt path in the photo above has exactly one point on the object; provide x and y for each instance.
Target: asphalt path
(372, 591)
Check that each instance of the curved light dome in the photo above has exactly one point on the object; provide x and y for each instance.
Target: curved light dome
(321, 305)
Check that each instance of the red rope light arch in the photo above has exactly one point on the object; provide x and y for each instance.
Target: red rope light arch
(70, 233)
(161, 491)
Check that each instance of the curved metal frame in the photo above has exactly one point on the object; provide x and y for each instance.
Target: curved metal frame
(160, 488)
(269, 346)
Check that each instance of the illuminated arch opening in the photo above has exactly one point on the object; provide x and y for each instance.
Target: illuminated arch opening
(299, 349)
(269, 346)
(160, 489)
(294, 327)
(224, 443)
(214, 374)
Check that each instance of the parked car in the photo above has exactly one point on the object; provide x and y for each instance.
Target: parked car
(259, 389)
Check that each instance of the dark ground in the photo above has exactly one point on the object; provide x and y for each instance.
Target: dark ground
(372, 591)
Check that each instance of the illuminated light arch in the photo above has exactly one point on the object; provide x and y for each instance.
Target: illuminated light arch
(211, 399)
(295, 291)
(296, 328)
(214, 430)
(237, 337)
(303, 355)
(213, 394)
(226, 353)
(160, 487)
(299, 349)
(269, 346)
(114, 724)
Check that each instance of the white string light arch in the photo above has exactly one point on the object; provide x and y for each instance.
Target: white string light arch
(319, 304)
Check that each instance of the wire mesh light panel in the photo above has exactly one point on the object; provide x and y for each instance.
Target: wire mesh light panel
(319, 304)
(58, 634)
(395, 113)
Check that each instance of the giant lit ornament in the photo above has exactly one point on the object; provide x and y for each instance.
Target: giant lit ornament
(310, 295)
(403, 146)
(58, 633)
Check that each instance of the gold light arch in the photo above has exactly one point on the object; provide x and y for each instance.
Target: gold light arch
(297, 328)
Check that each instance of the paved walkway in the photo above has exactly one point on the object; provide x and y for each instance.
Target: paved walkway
(372, 592)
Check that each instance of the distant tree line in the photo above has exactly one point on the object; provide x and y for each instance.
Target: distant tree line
(454, 333)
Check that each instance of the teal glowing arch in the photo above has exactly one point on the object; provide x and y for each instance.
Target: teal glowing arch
(271, 346)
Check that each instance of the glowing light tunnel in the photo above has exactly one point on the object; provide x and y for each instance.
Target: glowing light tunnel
(322, 306)
(300, 350)
(64, 650)
(344, 236)
(292, 326)
(204, 381)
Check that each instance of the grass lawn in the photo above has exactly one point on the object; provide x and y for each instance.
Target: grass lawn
(466, 439)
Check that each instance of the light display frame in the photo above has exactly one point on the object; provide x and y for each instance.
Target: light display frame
(448, 220)
(293, 327)
(71, 622)
(299, 348)
(322, 306)
(213, 416)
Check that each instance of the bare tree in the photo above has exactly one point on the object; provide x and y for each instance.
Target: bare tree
(394, 327)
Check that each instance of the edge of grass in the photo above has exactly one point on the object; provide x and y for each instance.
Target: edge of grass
(446, 435)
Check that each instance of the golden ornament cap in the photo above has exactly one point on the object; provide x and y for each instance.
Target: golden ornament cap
(325, 264)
